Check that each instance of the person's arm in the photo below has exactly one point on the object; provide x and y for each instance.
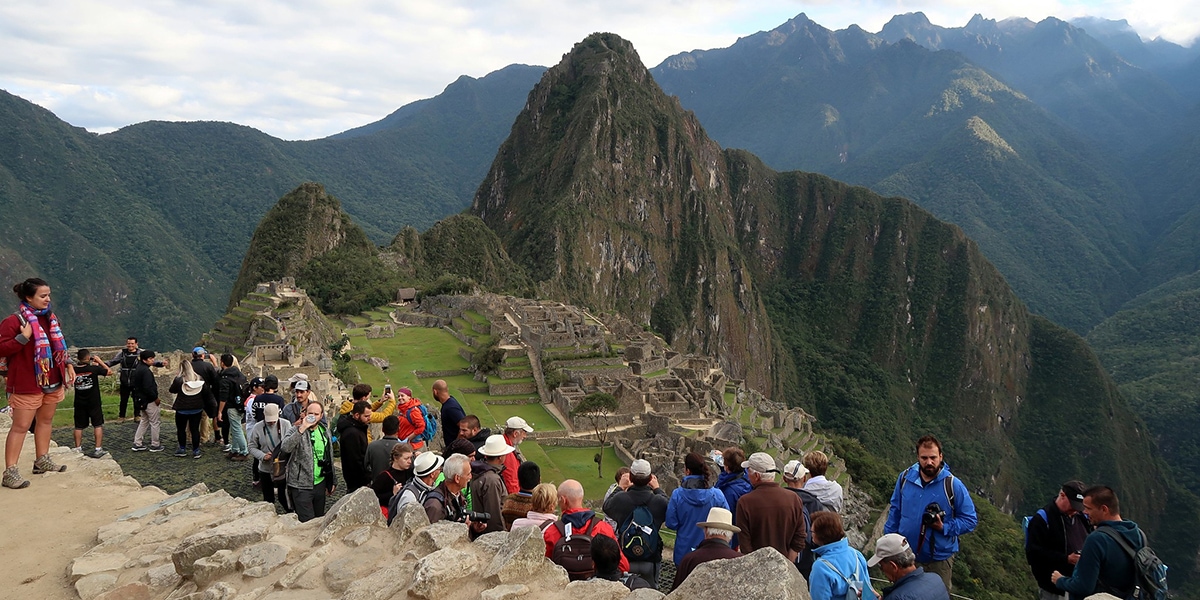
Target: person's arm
(116, 360)
(292, 439)
(892, 525)
(1083, 580)
(11, 340)
(255, 444)
(965, 519)
(612, 509)
(672, 520)
(176, 386)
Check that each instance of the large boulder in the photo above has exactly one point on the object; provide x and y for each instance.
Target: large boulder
(408, 522)
(598, 589)
(230, 536)
(518, 558)
(359, 508)
(764, 574)
(437, 573)
(438, 536)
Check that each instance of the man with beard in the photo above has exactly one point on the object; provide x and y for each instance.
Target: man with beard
(931, 508)
(352, 432)
(1055, 537)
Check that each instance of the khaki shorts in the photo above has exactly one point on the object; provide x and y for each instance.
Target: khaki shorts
(36, 401)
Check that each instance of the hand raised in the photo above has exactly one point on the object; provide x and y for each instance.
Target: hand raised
(27, 330)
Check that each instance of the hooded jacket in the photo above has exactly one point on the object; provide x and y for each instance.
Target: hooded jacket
(909, 499)
(300, 467)
(826, 584)
(1103, 565)
(352, 436)
(184, 402)
(262, 441)
(1046, 544)
(578, 519)
(734, 486)
(487, 495)
(827, 491)
(689, 505)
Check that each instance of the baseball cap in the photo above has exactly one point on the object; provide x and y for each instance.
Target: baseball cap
(271, 382)
(426, 463)
(761, 462)
(256, 382)
(199, 350)
(271, 413)
(794, 470)
(888, 546)
(1074, 491)
(301, 384)
(640, 467)
(517, 423)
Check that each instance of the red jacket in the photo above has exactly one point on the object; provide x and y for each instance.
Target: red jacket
(21, 379)
(512, 462)
(411, 422)
(552, 535)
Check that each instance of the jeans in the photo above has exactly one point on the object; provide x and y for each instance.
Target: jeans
(184, 424)
(308, 504)
(150, 419)
(237, 435)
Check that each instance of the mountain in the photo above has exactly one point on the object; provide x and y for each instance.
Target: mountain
(1170, 61)
(141, 231)
(1045, 206)
(881, 320)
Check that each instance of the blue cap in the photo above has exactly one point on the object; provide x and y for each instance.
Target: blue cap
(198, 350)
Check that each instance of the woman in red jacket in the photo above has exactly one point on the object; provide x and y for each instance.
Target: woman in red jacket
(32, 344)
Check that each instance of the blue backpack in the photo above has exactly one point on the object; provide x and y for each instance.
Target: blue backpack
(1025, 523)
(431, 425)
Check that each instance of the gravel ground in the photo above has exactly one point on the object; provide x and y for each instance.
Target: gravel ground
(168, 472)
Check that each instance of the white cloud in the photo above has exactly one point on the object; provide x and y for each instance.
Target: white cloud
(310, 68)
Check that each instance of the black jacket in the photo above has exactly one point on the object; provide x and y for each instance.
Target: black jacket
(622, 504)
(208, 373)
(229, 389)
(129, 362)
(184, 401)
(1046, 548)
(352, 436)
(480, 438)
(145, 387)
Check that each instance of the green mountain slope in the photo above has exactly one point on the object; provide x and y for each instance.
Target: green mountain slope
(882, 320)
(1044, 205)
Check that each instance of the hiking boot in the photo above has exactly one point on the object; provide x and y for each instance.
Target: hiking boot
(97, 453)
(156, 448)
(138, 448)
(181, 452)
(196, 453)
(43, 464)
(13, 479)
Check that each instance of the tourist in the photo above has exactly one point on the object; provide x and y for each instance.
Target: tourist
(918, 489)
(718, 531)
(689, 505)
(268, 396)
(543, 502)
(38, 373)
(452, 411)
(230, 407)
(794, 476)
(147, 402)
(88, 408)
(732, 480)
(606, 557)
(352, 436)
(769, 515)
(1054, 538)
(256, 388)
(487, 489)
(469, 429)
(445, 502)
(576, 519)
(292, 411)
(638, 530)
(427, 467)
(380, 409)
(827, 491)
(412, 423)
(392, 478)
(128, 359)
(895, 558)
(1103, 564)
(188, 388)
(837, 567)
(620, 476)
(310, 475)
(515, 432)
(202, 364)
(379, 452)
(265, 441)
(518, 505)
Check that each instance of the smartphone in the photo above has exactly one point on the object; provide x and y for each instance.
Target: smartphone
(310, 419)
(387, 388)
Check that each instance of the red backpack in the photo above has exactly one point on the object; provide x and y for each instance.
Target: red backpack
(574, 552)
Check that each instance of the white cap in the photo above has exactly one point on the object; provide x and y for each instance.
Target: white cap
(888, 546)
(640, 467)
(761, 462)
(301, 384)
(518, 423)
(271, 413)
(794, 470)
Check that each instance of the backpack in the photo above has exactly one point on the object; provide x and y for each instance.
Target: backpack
(1151, 572)
(431, 424)
(854, 587)
(637, 536)
(4, 359)
(1025, 523)
(421, 495)
(573, 551)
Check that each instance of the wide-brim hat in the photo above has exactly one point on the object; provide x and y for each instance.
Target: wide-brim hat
(719, 518)
(191, 388)
(426, 463)
(495, 446)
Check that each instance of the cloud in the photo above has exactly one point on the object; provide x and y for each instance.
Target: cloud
(302, 69)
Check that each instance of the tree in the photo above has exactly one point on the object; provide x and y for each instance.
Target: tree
(598, 408)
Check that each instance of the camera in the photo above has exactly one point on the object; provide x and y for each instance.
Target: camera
(478, 517)
(933, 512)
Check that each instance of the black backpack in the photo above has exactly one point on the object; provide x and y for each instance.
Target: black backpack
(804, 561)
(637, 536)
(574, 552)
(1151, 572)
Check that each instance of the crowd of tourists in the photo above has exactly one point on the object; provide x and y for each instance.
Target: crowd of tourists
(1076, 545)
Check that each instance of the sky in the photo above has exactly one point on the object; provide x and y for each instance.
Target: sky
(305, 69)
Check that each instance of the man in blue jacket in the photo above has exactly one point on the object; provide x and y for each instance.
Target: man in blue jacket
(932, 531)
(895, 558)
(1103, 565)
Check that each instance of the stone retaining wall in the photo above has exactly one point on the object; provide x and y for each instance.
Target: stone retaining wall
(446, 373)
(512, 389)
